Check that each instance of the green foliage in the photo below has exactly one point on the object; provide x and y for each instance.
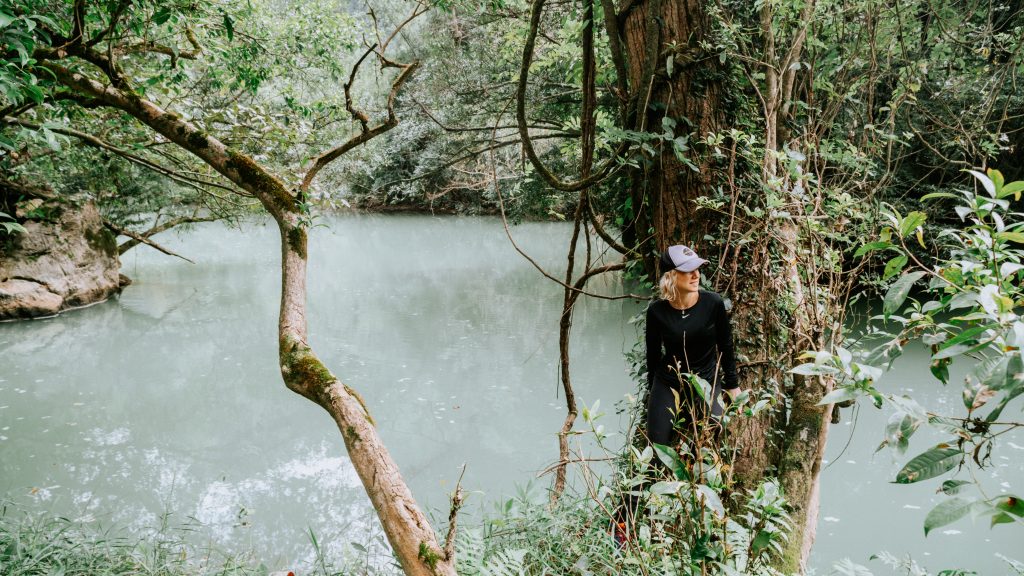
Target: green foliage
(37, 544)
(967, 312)
(667, 509)
(11, 227)
(908, 566)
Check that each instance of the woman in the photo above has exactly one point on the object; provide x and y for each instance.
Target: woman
(688, 332)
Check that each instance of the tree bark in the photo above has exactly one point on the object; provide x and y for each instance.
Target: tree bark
(689, 92)
(773, 319)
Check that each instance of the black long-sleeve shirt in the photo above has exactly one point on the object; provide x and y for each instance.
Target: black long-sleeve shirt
(698, 338)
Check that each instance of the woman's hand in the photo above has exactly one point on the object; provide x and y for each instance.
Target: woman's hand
(733, 393)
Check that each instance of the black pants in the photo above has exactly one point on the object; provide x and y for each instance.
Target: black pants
(663, 420)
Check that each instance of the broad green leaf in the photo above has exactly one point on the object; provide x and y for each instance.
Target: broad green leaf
(894, 266)
(898, 291)
(963, 300)
(1002, 518)
(998, 410)
(985, 182)
(664, 488)
(23, 52)
(870, 247)
(162, 15)
(947, 512)
(930, 464)
(34, 93)
(968, 335)
(1017, 237)
(955, 350)
(997, 178)
(6, 18)
(702, 387)
(671, 460)
(838, 395)
(760, 542)
(940, 369)
(939, 195)
(12, 227)
(911, 222)
(1014, 188)
(711, 499)
(1007, 269)
(812, 369)
(1011, 504)
(899, 430)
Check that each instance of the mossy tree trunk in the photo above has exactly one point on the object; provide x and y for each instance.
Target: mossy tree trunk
(777, 316)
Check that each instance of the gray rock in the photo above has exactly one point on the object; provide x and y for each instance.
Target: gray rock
(66, 260)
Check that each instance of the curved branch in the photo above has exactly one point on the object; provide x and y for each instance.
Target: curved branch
(367, 134)
(611, 25)
(236, 167)
(517, 248)
(599, 228)
(524, 133)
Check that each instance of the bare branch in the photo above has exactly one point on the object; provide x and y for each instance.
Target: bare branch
(133, 242)
(366, 134)
(457, 498)
(144, 240)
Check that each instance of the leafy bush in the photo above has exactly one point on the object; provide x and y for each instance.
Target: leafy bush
(966, 311)
(664, 509)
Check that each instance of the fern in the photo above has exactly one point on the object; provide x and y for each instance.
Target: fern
(506, 563)
(470, 552)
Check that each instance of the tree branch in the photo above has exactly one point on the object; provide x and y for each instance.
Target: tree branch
(98, 143)
(143, 239)
(366, 132)
(524, 133)
(134, 241)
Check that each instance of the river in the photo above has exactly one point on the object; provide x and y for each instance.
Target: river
(166, 403)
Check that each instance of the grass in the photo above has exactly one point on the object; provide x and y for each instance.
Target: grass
(33, 543)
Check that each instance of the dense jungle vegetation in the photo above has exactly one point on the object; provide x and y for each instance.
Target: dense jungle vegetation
(819, 150)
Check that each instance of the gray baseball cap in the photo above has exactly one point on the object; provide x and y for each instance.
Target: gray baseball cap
(681, 258)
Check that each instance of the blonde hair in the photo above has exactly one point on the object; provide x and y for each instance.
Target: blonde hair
(667, 286)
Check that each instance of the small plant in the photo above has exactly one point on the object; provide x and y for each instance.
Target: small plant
(9, 228)
(664, 509)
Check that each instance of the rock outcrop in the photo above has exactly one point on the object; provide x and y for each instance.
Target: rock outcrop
(66, 258)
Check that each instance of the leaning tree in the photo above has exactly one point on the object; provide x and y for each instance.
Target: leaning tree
(132, 58)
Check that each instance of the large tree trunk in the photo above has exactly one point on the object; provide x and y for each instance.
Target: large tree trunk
(688, 92)
(775, 317)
